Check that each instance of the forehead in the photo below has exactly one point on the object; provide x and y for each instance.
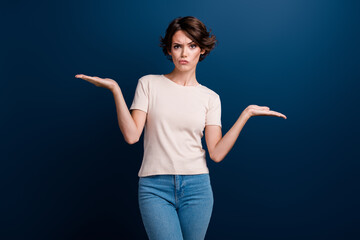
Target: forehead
(181, 37)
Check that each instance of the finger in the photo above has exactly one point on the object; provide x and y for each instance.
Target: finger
(79, 75)
(96, 83)
(89, 79)
(82, 76)
(277, 114)
(257, 107)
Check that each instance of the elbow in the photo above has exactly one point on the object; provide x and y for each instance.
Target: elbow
(215, 158)
(131, 140)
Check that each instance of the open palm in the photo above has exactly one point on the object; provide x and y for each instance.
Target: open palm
(99, 82)
(255, 110)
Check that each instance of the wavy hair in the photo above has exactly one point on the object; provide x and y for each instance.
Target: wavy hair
(194, 29)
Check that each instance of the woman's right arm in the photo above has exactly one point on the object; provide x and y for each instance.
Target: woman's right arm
(131, 125)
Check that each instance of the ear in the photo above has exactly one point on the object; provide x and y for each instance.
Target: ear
(169, 52)
(202, 51)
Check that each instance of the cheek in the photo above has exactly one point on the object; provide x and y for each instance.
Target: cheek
(175, 53)
(197, 54)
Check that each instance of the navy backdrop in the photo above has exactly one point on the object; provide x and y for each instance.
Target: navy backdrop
(67, 173)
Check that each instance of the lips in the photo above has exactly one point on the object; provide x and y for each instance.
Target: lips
(183, 62)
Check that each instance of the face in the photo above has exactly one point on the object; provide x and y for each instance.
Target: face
(184, 49)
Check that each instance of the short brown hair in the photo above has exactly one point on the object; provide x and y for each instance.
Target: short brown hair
(194, 29)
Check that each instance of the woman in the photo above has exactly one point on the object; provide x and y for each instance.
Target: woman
(175, 194)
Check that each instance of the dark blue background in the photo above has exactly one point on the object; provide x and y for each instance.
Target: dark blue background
(67, 173)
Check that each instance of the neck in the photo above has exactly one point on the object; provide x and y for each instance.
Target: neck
(183, 78)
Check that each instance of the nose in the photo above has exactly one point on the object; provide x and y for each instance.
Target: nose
(184, 53)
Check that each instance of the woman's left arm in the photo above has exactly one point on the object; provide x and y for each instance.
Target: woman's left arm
(219, 146)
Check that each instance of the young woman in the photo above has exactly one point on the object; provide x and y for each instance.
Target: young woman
(175, 194)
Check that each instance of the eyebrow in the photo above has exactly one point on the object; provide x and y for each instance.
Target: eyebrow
(181, 44)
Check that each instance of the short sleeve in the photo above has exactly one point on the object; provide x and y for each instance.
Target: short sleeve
(141, 98)
(213, 115)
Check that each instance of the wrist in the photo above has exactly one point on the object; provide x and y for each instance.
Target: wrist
(246, 114)
(115, 89)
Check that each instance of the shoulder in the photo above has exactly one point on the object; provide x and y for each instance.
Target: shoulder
(150, 81)
(149, 77)
(209, 92)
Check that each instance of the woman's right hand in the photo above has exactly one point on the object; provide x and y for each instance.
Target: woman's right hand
(99, 82)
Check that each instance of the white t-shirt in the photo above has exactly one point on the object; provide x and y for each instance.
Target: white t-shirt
(176, 118)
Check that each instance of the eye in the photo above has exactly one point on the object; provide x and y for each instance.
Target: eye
(193, 46)
(176, 46)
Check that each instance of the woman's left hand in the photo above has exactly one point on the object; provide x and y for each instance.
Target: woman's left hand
(255, 110)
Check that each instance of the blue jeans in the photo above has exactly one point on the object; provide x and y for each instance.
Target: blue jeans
(176, 207)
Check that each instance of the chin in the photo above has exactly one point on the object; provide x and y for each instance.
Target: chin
(184, 68)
